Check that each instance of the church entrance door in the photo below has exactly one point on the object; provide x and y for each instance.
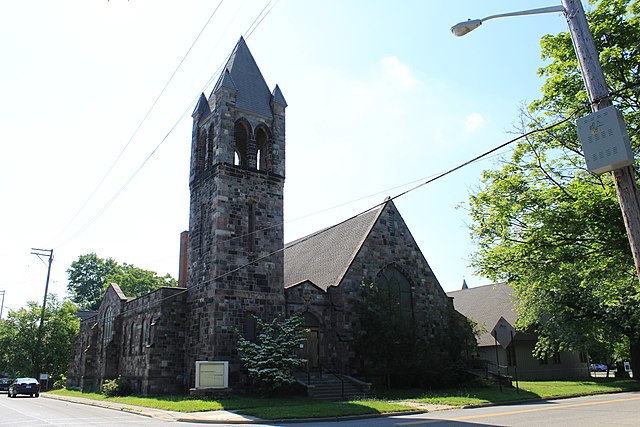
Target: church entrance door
(312, 349)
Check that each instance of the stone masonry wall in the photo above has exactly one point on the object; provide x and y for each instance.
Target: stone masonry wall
(236, 233)
(389, 243)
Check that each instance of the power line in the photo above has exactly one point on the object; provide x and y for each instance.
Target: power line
(189, 108)
(251, 30)
(324, 230)
(144, 119)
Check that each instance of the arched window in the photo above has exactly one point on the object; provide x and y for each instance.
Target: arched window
(132, 330)
(209, 156)
(262, 149)
(146, 326)
(241, 133)
(202, 151)
(397, 286)
(108, 325)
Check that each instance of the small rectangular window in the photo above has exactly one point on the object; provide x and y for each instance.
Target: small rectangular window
(250, 327)
(251, 229)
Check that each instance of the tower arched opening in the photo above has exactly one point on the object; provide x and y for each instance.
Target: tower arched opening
(262, 148)
(242, 132)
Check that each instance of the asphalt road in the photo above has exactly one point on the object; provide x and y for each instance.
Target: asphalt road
(26, 411)
(621, 409)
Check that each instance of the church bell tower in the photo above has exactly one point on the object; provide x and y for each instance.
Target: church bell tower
(236, 233)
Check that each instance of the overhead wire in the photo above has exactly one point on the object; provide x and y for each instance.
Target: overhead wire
(144, 119)
(376, 206)
(81, 230)
(249, 32)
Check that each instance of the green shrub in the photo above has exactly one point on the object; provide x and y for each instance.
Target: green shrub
(116, 387)
(60, 383)
(272, 359)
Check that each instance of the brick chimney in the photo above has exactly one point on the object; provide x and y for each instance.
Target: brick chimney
(183, 262)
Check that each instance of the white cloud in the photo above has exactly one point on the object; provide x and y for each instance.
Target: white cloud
(473, 121)
(396, 71)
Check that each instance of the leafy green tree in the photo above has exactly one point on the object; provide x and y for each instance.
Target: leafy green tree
(392, 347)
(88, 280)
(272, 359)
(386, 337)
(90, 276)
(20, 335)
(547, 226)
(135, 281)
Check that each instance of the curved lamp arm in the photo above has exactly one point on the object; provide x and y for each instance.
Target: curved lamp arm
(464, 27)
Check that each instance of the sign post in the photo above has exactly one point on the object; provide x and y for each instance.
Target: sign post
(502, 334)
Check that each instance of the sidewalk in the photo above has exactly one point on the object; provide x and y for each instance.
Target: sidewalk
(225, 417)
(214, 417)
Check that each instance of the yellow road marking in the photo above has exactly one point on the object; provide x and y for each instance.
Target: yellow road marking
(521, 411)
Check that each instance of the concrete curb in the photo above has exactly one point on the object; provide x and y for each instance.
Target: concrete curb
(230, 417)
(138, 410)
(215, 417)
(343, 418)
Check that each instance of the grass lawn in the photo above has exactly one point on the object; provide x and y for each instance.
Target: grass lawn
(265, 408)
(302, 407)
(528, 390)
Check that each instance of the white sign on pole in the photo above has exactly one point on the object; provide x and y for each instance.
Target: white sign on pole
(605, 140)
(503, 332)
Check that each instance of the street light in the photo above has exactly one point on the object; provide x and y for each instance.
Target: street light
(596, 85)
(464, 27)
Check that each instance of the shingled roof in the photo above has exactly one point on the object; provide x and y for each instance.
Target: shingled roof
(485, 305)
(242, 73)
(323, 257)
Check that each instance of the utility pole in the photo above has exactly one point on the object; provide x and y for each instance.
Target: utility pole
(594, 80)
(2, 305)
(39, 253)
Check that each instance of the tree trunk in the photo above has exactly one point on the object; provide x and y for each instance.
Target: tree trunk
(634, 347)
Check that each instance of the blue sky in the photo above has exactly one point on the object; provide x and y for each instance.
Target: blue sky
(381, 96)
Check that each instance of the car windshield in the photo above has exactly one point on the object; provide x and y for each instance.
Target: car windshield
(26, 380)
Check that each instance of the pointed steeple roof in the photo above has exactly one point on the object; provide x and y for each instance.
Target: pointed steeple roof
(464, 284)
(242, 73)
(278, 98)
(202, 107)
(227, 81)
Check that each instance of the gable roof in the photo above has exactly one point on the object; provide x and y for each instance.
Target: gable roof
(86, 314)
(242, 74)
(485, 305)
(323, 257)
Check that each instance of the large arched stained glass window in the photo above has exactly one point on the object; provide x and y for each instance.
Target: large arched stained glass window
(397, 286)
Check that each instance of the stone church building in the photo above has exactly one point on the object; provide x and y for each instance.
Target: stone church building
(237, 265)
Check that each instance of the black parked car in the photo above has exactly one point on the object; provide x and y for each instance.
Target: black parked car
(29, 386)
(4, 384)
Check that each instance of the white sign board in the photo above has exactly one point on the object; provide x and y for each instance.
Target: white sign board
(44, 377)
(503, 332)
(212, 374)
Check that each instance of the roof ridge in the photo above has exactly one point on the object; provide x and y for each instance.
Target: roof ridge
(381, 207)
